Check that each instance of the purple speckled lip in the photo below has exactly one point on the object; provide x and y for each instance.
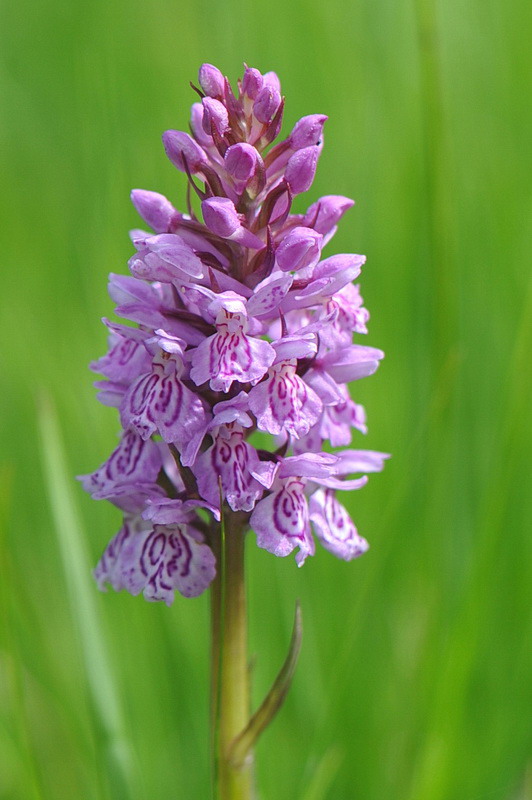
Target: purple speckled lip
(240, 327)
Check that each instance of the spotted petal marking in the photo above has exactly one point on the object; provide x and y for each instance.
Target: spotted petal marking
(159, 402)
(281, 521)
(134, 460)
(229, 355)
(157, 561)
(125, 359)
(109, 567)
(334, 527)
(233, 460)
(284, 402)
(167, 558)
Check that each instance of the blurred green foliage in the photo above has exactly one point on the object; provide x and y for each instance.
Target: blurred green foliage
(414, 681)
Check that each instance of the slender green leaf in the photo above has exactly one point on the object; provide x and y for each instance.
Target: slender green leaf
(273, 701)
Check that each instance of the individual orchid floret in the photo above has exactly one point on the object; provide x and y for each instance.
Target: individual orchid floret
(284, 402)
(157, 560)
(281, 520)
(350, 363)
(220, 216)
(351, 316)
(333, 526)
(232, 460)
(127, 354)
(230, 354)
(131, 468)
(234, 410)
(328, 277)
(158, 402)
(167, 258)
(268, 295)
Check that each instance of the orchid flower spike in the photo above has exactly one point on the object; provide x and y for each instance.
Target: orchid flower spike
(237, 325)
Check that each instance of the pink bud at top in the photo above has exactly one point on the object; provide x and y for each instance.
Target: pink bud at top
(220, 216)
(272, 79)
(252, 82)
(300, 248)
(196, 124)
(211, 80)
(214, 114)
(181, 147)
(307, 131)
(266, 104)
(154, 209)
(301, 169)
(324, 214)
(241, 161)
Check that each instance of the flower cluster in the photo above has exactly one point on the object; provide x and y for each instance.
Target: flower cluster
(236, 373)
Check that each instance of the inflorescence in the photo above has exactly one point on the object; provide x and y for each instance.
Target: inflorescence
(237, 371)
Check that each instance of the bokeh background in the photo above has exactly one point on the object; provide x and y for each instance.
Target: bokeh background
(414, 680)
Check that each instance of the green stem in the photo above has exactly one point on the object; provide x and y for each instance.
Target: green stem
(230, 692)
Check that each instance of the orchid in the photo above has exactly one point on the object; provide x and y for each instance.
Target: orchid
(240, 327)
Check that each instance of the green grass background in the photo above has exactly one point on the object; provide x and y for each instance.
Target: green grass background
(414, 680)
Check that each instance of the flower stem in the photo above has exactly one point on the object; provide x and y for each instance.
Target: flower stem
(230, 692)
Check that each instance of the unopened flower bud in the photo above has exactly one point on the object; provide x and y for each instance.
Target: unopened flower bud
(266, 104)
(272, 79)
(241, 161)
(252, 82)
(220, 216)
(181, 147)
(300, 248)
(154, 209)
(211, 80)
(196, 124)
(324, 214)
(301, 169)
(214, 115)
(307, 131)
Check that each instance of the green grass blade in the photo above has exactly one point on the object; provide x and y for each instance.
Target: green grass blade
(104, 693)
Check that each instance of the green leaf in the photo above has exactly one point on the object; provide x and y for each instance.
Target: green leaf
(273, 701)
